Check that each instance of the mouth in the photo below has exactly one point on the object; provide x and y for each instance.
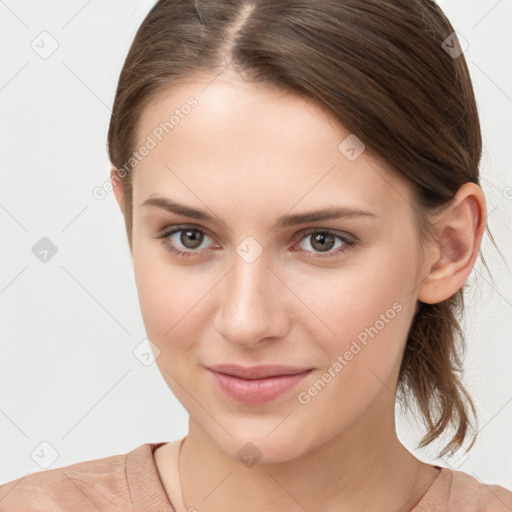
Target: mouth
(256, 385)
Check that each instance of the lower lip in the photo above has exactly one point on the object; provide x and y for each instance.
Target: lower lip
(257, 391)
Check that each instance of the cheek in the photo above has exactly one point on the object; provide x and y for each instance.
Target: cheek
(168, 297)
(364, 312)
(348, 300)
(172, 297)
(362, 355)
(161, 291)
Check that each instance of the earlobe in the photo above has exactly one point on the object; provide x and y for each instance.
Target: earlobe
(461, 228)
(117, 188)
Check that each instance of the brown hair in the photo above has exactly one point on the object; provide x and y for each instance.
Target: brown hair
(380, 66)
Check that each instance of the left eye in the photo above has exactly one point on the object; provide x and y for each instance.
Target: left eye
(323, 241)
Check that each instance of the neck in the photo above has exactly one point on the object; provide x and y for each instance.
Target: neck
(364, 468)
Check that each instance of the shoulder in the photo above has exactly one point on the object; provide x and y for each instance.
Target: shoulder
(99, 484)
(467, 493)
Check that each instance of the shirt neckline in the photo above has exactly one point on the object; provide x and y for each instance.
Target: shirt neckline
(147, 491)
(421, 504)
(146, 488)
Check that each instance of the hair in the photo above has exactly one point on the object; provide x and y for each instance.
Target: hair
(381, 68)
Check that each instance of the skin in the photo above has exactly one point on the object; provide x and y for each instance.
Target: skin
(250, 153)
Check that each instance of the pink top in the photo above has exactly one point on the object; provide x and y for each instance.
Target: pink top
(130, 482)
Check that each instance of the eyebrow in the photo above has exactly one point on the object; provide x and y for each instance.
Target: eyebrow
(329, 213)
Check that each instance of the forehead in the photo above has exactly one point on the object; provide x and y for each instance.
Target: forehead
(250, 139)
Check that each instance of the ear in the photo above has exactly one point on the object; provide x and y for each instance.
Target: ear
(459, 235)
(117, 188)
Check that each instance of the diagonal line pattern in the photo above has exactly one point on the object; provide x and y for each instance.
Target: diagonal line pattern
(199, 300)
(225, 225)
(493, 287)
(280, 423)
(301, 300)
(96, 403)
(14, 218)
(486, 14)
(13, 13)
(14, 76)
(492, 81)
(406, 507)
(199, 403)
(495, 415)
(392, 185)
(97, 301)
(76, 14)
(383, 383)
(486, 217)
(14, 423)
(221, 482)
(286, 491)
(13, 279)
(216, 76)
(74, 218)
(306, 193)
(79, 79)
(14, 486)
(490, 489)
(88, 497)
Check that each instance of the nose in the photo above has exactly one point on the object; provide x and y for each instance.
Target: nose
(253, 304)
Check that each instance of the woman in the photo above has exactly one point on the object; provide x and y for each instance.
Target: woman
(300, 187)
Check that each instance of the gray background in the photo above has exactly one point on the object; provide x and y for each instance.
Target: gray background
(72, 388)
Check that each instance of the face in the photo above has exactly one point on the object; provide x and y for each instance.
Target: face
(334, 295)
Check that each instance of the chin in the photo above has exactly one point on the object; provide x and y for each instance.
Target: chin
(252, 444)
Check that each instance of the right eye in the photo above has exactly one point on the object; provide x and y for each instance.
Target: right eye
(189, 238)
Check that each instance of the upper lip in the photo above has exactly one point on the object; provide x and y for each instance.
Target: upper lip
(257, 372)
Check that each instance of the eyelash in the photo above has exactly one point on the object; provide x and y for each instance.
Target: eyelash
(348, 243)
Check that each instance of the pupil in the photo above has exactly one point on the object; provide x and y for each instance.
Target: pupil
(190, 238)
(326, 240)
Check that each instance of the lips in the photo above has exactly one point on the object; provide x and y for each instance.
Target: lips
(257, 372)
(258, 384)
